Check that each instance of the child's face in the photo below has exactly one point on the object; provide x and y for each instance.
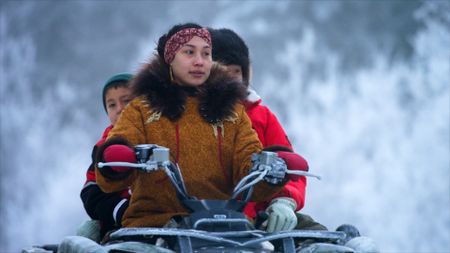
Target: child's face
(116, 99)
(192, 63)
(235, 71)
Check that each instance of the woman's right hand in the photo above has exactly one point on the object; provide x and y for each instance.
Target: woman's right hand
(119, 153)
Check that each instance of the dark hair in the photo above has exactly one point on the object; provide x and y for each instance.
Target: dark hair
(176, 28)
(230, 49)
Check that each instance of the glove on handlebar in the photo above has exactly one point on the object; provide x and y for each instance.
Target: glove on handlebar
(293, 162)
(281, 215)
(119, 153)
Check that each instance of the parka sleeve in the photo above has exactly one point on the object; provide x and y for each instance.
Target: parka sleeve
(246, 144)
(130, 127)
(274, 133)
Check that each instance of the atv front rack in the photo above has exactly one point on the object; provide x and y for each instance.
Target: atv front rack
(232, 239)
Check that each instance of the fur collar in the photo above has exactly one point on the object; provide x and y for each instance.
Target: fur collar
(217, 96)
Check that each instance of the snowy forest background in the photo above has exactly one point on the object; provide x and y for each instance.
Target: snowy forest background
(361, 87)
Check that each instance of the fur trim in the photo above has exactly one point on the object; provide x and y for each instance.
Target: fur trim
(153, 82)
(218, 95)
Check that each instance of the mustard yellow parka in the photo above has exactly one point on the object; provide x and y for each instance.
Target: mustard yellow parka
(207, 131)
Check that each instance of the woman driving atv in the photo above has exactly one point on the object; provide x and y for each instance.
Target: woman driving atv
(193, 107)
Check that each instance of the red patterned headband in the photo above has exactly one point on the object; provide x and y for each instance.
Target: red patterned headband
(182, 37)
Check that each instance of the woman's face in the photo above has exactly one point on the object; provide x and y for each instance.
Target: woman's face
(192, 63)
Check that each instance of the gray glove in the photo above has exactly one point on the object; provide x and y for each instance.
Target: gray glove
(281, 214)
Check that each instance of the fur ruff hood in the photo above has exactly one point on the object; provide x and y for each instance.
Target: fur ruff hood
(217, 96)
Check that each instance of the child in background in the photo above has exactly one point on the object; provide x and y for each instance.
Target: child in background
(106, 209)
(229, 49)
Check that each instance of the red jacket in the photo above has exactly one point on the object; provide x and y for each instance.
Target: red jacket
(271, 133)
(108, 208)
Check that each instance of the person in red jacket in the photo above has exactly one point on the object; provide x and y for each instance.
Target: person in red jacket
(230, 50)
(106, 209)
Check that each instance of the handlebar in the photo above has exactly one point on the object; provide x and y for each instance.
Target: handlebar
(266, 166)
(152, 157)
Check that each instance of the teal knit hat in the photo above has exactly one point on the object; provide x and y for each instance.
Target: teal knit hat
(122, 77)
